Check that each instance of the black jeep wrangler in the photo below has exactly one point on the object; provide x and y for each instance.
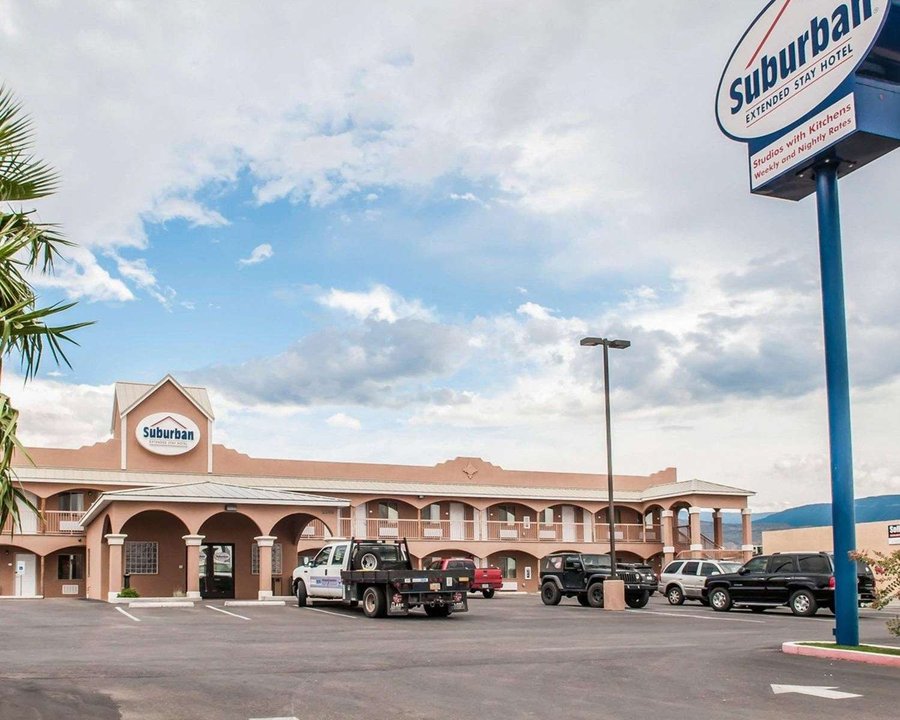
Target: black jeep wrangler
(580, 575)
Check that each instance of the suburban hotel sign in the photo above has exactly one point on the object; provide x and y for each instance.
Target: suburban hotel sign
(798, 83)
(167, 434)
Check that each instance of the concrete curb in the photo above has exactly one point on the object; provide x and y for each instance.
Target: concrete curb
(797, 648)
(161, 604)
(254, 603)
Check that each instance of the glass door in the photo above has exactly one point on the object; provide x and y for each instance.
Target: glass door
(217, 570)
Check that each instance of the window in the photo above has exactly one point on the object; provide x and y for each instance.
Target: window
(782, 564)
(387, 510)
(71, 501)
(707, 569)
(757, 564)
(690, 568)
(673, 567)
(507, 567)
(339, 553)
(815, 564)
(141, 558)
(322, 557)
(435, 565)
(547, 516)
(276, 559)
(70, 567)
(432, 513)
(506, 513)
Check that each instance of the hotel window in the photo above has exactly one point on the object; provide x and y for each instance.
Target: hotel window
(70, 567)
(547, 516)
(387, 510)
(71, 501)
(141, 558)
(276, 559)
(506, 513)
(507, 567)
(432, 513)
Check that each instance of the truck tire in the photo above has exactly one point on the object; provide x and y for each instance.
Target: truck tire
(803, 603)
(638, 601)
(373, 602)
(582, 599)
(488, 593)
(720, 599)
(368, 561)
(438, 610)
(595, 595)
(675, 595)
(550, 594)
(300, 592)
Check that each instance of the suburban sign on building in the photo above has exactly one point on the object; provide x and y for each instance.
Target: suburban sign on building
(894, 534)
(167, 433)
(810, 77)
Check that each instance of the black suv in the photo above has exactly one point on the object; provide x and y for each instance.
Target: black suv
(804, 581)
(580, 575)
(647, 573)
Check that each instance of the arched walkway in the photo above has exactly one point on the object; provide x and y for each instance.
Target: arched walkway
(154, 553)
(291, 533)
(519, 568)
(229, 556)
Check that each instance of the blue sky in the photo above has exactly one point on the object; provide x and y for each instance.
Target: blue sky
(377, 233)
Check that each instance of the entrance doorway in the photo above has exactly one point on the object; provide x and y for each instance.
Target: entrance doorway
(217, 570)
(26, 575)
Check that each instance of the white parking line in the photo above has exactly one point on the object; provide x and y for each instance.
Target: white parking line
(128, 614)
(276, 718)
(699, 617)
(226, 612)
(329, 612)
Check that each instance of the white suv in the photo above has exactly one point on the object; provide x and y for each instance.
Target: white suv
(683, 580)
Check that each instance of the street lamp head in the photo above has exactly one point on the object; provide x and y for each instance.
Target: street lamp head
(614, 344)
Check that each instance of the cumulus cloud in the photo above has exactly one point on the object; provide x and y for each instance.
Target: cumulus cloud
(379, 303)
(259, 254)
(341, 420)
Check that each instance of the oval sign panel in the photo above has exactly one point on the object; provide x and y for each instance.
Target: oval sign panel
(167, 433)
(791, 59)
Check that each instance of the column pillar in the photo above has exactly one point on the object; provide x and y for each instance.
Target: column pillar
(192, 566)
(115, 541)
(667, 518)
(718, 529)
(265, 543)
(42, 517)
(587, 517)
(476, 523)
(696, 537)
(747, 533)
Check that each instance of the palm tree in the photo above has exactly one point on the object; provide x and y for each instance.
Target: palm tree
(26, 246)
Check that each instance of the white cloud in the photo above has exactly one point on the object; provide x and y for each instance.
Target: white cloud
(340, 420)
(181, 208)
(259, 254)
(470, 197)
(379, 303)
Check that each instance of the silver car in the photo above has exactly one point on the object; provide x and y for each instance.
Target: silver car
(683, 580)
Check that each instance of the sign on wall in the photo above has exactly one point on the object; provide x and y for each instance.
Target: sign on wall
(810, 77)
(894, 534)
(167, 434)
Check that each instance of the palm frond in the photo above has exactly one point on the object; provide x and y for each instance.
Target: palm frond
(22, 177)
(42, 241)
(26, 332)
(11, 494)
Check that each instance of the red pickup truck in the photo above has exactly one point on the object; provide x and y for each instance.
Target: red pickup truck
(488, 580)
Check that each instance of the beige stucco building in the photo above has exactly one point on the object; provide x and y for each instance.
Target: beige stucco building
(883, 536)
(162, 507)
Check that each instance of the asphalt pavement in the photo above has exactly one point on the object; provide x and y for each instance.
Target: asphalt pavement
(509, 657)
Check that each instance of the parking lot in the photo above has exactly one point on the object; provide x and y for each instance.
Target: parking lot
(508, 657)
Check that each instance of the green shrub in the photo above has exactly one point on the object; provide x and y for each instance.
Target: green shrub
(887, 572)
(128, 593)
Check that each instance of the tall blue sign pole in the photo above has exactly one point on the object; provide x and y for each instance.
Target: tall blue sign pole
(813, 88)
(838, 384)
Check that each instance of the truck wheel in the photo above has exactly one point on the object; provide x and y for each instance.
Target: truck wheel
(803, 603)
(720, 599)
(638, 601)
(488, 593)
(374, 604)
(582, 599)
(550, 594)
(301, 594)
(595, 595)
(437, 610)
(675, 596)
(369, 561)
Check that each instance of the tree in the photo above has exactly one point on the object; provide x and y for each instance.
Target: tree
(26, 247)
(887, 571)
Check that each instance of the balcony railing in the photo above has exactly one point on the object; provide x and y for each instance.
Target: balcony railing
(54, 522)
(494, 531)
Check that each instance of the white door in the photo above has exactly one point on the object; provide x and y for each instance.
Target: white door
(457, 521)
(28, 519)
(360, 529)
(324, 579)
(568, 524)
(26, 575)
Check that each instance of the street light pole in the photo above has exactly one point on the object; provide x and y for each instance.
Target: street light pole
(611, 507)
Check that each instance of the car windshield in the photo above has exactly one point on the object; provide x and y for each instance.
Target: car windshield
(596, 561)
(730, 567)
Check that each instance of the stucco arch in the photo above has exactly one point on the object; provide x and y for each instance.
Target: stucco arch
(292, 525)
